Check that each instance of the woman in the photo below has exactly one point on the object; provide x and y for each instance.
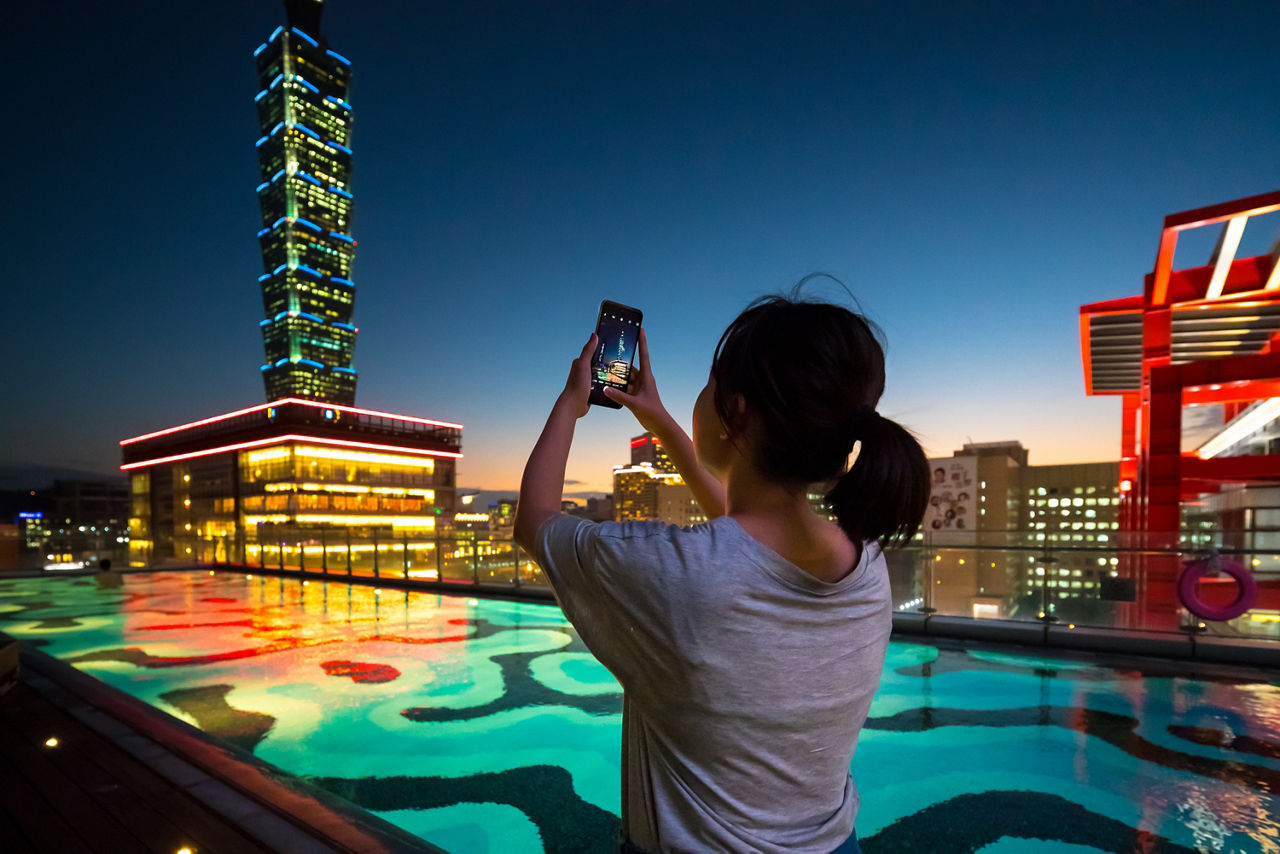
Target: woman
(748, 648)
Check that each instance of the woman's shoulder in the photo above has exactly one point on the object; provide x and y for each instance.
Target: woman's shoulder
(646, 529)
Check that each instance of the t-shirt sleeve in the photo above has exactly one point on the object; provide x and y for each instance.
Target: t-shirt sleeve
(613, 603)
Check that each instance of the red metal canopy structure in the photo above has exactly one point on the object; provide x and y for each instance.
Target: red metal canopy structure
(1196, 336)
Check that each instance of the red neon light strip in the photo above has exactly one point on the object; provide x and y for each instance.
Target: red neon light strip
(281, 402)
(194, 424)
(292, 437)
(635, 443)
(376, 412)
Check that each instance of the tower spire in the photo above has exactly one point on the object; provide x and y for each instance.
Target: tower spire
(305, 15)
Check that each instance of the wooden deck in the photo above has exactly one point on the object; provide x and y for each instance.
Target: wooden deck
(86, 794)
(125, 779)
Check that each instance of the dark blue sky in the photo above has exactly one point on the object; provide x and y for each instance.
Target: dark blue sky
(973, 171)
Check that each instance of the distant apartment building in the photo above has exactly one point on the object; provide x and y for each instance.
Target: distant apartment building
(1243, 517)
(1075, 503)
(73, 521)
(677, 506)
(90, 519)
(1002, 537)
(502, 514)
(635, 490)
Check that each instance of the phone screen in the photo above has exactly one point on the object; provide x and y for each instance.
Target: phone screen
(618, 331)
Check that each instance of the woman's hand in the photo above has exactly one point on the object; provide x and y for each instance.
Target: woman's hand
(641, 396)
(576, 396)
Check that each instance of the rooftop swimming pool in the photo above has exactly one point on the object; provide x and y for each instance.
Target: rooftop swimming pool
(485, 725)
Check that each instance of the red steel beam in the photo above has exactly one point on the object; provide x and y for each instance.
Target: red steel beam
(1231, 469)
(1231, 369)
(1157, 290)
(1237, 392)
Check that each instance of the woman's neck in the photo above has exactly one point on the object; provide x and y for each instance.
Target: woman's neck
(785, 521)
(751, 495)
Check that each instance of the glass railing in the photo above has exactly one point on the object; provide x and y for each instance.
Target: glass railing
(1231, 585)
(463, 559)
(1125, 583)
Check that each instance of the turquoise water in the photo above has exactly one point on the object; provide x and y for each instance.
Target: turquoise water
(483, 725)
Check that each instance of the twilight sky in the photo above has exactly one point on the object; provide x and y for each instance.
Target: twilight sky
(974, 171)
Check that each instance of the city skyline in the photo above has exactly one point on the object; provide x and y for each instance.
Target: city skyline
(974, 176)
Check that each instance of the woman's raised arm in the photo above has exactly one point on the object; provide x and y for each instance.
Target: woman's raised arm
(542, 486)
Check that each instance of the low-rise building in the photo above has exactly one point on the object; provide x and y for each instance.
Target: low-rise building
(287, 475)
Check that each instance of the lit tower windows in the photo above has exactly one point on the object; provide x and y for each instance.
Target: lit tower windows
(304, 157)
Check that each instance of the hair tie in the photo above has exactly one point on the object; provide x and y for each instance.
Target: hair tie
(861, 416)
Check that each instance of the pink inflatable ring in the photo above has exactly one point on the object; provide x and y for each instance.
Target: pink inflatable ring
(1189, 592)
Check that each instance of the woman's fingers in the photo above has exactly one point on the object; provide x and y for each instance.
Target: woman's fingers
(619, 396)
(644, 352)
(584, 357)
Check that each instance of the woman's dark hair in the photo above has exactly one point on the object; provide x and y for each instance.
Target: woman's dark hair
(810, 374)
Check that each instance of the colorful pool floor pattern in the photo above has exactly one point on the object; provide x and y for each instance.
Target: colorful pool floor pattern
(485, 725)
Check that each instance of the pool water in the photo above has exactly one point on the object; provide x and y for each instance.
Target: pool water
(484, 725)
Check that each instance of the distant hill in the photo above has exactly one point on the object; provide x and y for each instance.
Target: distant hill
(34, 476)
(485, 497)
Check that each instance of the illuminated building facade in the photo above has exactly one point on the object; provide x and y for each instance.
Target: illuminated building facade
(502, 515)
(643, 492)
(973, 502)
(648, 449)
(651, 488)
(224, 488)
(635, 491)
(1014, 539)
(304, 159)
(1206, 337)
(1071, 514)
(677, 506)
(70, 522)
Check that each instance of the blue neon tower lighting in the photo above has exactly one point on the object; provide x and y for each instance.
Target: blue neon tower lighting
(304, 156)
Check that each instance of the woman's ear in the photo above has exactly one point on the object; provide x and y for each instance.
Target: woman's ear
(741, 425)
(738, 410)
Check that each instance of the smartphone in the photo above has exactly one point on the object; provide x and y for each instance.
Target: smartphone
(618, 331)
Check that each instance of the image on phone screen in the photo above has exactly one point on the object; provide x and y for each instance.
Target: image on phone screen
(618, 331)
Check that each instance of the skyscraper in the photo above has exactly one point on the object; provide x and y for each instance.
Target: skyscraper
(306, 477)
(304, 159)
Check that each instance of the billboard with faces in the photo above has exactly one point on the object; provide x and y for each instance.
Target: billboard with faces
(953, 500)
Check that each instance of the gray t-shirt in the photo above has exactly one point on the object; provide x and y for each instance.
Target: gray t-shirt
(745, 679)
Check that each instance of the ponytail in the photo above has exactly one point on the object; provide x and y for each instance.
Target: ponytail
(884, 494)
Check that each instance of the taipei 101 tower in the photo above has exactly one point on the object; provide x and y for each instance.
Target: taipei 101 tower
(306, 480)
(304, 159)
